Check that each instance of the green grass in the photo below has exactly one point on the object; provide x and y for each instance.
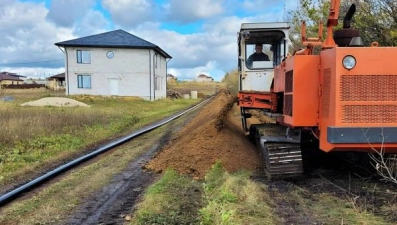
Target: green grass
(56, 202)
(33, 137)
(224, 199)
(235, 199)
(203, 88)
(331, 209)
(174, 199)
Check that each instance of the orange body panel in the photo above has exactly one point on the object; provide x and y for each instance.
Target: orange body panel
(360, 98)
(257, 100)
(300, 83)
(320, 94)
(279, 78)
(351, 109)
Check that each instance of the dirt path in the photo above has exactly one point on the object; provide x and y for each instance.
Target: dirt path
(190, 149)
(114, 201)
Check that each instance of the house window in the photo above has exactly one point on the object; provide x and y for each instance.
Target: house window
(84, 81)
(83, 56)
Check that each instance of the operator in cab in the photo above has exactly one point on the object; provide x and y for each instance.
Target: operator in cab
(258, 55)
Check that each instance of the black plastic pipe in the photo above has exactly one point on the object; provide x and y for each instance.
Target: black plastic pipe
(30, 185)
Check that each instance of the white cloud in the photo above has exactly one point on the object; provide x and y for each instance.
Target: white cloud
(129, 13)
(65, 12)
(94, 22)
(213, 51)
(183, 12)
(27, 39)
(209, 69)
(5, 2)
(28, 36)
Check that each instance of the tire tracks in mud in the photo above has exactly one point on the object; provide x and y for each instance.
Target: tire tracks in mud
(116, 200)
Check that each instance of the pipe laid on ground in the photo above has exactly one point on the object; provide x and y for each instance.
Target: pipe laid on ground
(14, 193)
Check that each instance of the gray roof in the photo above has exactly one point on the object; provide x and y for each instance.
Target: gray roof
(11, 74)
(4, 76)
(60, 75)
(113, 39)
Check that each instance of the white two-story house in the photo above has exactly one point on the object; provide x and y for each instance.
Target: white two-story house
(115, 63)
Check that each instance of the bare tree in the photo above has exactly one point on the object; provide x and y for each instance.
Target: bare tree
(385, 164)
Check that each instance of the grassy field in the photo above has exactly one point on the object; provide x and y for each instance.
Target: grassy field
(203, 88)
(32, 138)
(54, 203)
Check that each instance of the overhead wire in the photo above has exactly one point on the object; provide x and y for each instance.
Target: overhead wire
(23, 63)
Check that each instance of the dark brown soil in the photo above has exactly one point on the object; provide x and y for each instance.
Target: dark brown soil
(213, 135)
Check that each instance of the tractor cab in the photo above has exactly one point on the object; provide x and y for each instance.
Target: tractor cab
(261, 47)
(270, 42)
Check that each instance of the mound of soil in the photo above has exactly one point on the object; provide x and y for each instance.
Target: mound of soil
(202, 142)
(55, 101)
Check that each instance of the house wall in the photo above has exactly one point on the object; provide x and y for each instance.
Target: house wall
(130, 72)
(55, 84)
(160, 75)
(7, 82)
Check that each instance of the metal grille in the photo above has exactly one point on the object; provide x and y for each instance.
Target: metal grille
(369, 114)
(326, 93)
(289, 81)
(368, 88)
(288, 105)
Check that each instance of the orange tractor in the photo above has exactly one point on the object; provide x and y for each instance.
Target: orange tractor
(345, 96)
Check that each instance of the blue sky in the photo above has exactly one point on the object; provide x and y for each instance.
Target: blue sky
(199, 35)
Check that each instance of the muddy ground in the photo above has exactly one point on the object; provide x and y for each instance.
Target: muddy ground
(209, 135)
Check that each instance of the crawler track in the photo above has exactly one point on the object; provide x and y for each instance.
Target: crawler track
(281, 154)
(282, 159)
